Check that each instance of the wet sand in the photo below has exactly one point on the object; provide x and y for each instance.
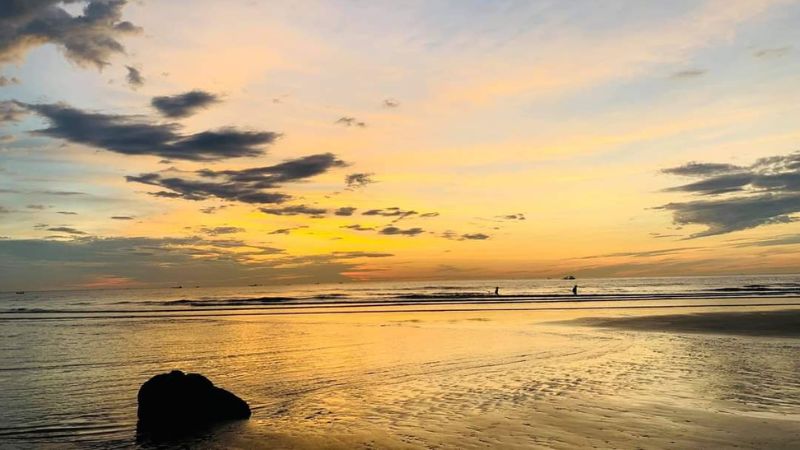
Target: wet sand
(750, 323)
(604, 375)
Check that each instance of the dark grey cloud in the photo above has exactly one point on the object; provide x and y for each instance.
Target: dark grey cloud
(345, 211)
(429, 215)
(4, 210)
(287, 230)
(296, 210)
(252, 185)
(393, 211)
(67, 213)
(475, 236)
(38, 207)
(696, 169)
(734, 214)
(183, 105)
(357, 227)
(131, 135)
(68, 230)
(453, 236)
(358, 180)
(394, 231)
(688, 73)
(216, 231)
(350, 122)
(766, 192)
(123, 217)
(89, 39)
(716, 185)
(134, 77)
(391, 103)
(5, 81)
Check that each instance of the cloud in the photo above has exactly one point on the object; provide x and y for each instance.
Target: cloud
(776, 52)
(357, 227)
(183, 105)
(61, 193)
(350, 122)
(212, 209)
(345, 211)
(716, 185)
(517, 216)
(11, 111)
(644, 254)
(394, 231)
(134, 77)
(67, 213)
(391, 103)
(163, 261)
(68, 230)
(4, 210)
(358, 180)
(87, 40)
(688, 73)
(287, 230)
(475, 236)
(123, 217)
(394, 211)
(453, 236)
(766, 192)
(246, 186)
(360, 254)
(130, 135)
(38, 207)
(791, 239)
(4, 81)
(695, 169)
(216, 231)
(296, 210)
(734, 214)
(429, 215)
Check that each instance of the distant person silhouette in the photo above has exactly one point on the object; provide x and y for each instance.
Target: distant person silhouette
(497, 290)
(575, 290)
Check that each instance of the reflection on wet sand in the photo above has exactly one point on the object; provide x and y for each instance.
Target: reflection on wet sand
(404, 379)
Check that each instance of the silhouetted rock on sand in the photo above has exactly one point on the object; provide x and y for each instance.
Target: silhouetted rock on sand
(176, 402)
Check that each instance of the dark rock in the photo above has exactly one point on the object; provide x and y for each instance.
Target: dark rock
(176, 403)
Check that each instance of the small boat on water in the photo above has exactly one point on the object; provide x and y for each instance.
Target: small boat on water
(20, 292)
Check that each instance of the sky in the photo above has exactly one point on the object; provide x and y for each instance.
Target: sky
(154, 142)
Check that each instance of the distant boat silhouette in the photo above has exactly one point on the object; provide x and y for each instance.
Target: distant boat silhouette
(20, 292)
(569, 277)
(177, 287)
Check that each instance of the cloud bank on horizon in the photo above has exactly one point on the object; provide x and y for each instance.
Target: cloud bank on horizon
(507, 140)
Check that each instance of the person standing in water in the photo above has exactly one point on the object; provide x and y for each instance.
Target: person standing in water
(497, 291)
(575, 290)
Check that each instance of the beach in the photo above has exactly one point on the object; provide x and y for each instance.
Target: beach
(662, 373)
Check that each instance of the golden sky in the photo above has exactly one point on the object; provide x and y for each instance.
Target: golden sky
(159, 142)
